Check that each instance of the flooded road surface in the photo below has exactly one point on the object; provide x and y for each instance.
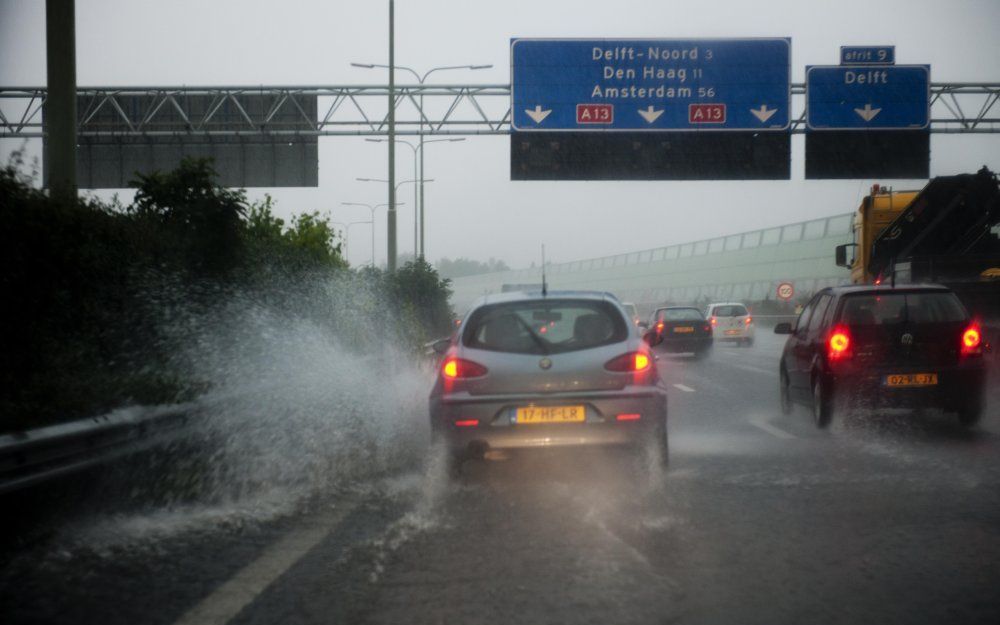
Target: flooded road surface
(761, 518)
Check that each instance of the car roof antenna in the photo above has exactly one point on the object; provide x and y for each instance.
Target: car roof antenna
(545, 286)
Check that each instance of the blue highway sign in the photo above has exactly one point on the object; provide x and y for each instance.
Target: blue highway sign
(867, 55)
(650, 84)
(853, 97)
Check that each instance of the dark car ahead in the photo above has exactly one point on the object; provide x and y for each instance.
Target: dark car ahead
(879, 346)
(683, 329)
(566, 368)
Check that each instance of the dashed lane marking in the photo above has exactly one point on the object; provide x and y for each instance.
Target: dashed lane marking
(762, 423)
(686, 389)
(235, 594)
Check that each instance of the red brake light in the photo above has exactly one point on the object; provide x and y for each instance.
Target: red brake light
(454, 368)
(748, 320)
(659, 327)
(972, 340)
(708, 327)
(467, 423)
(628, 416)
(840, 341)
(714, 320)
(627, 363)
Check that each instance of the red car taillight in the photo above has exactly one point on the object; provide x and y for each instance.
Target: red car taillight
(972, 341)
(455, 368)
(748, 320)
(839, 344)
(708, 328)
(659, 327)
(713, 320)
(628, 363)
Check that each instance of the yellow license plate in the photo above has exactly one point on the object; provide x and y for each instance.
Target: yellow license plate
(732, 331)
(683, 329)
(911, 379)
(551, 414)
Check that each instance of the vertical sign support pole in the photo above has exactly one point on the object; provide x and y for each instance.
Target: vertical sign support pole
(391, 217)
(60, 104)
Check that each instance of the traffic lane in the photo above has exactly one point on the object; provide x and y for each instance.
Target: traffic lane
(744, 527)
(725, 538)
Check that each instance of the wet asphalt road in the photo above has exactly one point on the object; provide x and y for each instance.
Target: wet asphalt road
(761, 518)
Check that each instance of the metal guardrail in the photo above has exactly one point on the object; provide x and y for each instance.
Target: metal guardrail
(35, 456)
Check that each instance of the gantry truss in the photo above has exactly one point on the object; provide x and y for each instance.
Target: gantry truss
(314, 111)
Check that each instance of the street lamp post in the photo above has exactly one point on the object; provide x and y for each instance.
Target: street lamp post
(420, 79)
(418, 207)
(399, 184)
(346, 228)
(371, 208)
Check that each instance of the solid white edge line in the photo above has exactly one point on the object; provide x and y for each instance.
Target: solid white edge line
(762, 423)
(238, 591)
(686, 389)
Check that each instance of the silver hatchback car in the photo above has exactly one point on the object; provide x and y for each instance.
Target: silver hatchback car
(566, 368)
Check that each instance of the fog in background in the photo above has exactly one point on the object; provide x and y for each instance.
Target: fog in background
(473, 209)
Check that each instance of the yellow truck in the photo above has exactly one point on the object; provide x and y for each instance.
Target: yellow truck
(946, 233)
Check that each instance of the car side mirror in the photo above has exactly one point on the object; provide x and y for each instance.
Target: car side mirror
(652, 338)
(441, 346)
(783, 328)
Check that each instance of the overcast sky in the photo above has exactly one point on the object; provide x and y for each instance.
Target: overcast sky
(473, 209)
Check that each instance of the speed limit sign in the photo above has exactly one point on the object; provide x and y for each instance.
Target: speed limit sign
(786, 291)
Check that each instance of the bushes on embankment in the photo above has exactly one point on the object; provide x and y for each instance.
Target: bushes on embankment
(98, 298)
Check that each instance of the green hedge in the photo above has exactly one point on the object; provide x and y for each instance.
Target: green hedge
(90, 286)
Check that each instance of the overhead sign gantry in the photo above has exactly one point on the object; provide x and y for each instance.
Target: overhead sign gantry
(650, 108)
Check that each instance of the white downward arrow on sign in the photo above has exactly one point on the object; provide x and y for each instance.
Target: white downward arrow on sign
(650, 115)
(763, 113)
(867, 113)
(538, 114)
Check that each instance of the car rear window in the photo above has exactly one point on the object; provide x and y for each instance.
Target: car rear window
(733, 310)
(887, 309)
(544, 326)
(680, 314)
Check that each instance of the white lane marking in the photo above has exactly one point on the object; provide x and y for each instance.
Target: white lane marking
(762, 423)
(235, 594)
(686, 389)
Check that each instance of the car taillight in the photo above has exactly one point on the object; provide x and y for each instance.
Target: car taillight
(972, 341)
(748, 320)
(455, 368)
(627, 363)
(708, 327)
(839, 343)
(659, 327)
(713, 320)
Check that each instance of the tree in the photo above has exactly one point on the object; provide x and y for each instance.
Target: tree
(201, 220)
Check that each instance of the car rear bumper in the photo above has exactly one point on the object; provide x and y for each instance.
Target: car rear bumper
(496, 426)
(686, 344)
(734, 334)
(955, 387)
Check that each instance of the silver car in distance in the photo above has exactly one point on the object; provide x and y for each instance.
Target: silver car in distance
(528, 370)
